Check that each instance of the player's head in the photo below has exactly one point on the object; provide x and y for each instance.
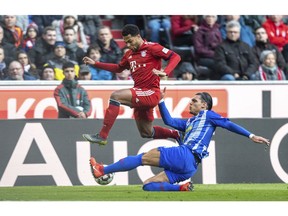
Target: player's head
(131, 36)
(206, 97)
(130, 29)
(201, 101)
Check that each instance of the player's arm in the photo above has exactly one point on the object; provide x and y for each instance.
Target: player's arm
(114, 68)
(173, 60)
(233, 127)
(168, 55)
(176, 123)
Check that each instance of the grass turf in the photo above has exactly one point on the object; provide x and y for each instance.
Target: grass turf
(218, 192)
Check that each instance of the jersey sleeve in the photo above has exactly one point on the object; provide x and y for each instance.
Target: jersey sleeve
(220, 121)
(161, 52)
(177, 123)
(168, 55)
(114, 68)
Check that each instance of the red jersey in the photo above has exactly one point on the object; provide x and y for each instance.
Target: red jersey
(143, 61)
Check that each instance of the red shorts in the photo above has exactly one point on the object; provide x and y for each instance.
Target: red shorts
(143, 101)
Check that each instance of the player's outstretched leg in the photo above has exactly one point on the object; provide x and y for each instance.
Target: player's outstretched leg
(124, 164)
(96, 168)
(165, 186)
(109, 119)
(187, 186)
(95, 138)
(164, 133)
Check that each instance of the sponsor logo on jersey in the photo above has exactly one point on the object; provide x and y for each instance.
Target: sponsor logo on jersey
(165, 50)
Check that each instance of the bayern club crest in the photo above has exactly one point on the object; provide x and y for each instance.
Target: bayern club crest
(143, 53)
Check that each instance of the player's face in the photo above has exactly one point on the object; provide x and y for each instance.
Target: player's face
(196, 105)
(133, 42)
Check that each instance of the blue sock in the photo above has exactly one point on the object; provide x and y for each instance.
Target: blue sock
(124, 164)
(161, 186)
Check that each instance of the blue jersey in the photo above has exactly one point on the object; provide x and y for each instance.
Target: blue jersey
(199, 129)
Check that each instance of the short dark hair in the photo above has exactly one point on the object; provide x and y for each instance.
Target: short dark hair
(48, 28)
(68, 65)
(131, 29)
(206, 97)
(259, 27)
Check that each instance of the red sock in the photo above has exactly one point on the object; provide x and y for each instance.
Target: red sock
(110, 117)
(164, 133)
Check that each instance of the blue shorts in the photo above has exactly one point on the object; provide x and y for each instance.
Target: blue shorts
(178, 162)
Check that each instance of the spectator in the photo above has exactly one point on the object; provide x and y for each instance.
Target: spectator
(206, 39)
(3, 65)
(94, 52)
(9, 49)
(269, 70)
(58, 60)
(43, 49)
(74, 52)
(186, 71)
(263, 43)
(12, 33)
(42, 21)
(47, 73)
(246, 34)
(254, 21)
(30, 37)
(285, 56)
(277, 31)
(109, 49)
(71, 20)
(91, 23)
(16, 72)
(126, 73)
(71, 98)
(84, 72)
(234, 59)
(156, 23)
(183, 28)
(28, 66)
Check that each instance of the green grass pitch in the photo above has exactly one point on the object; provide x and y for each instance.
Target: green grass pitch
(217, 192)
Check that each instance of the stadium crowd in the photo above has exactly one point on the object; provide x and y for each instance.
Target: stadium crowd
(223, 47)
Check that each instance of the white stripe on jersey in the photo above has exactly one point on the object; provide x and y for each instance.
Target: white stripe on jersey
(144, 93)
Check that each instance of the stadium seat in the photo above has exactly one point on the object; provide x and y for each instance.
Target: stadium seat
(117, 33)
(107, 22)
(120, 43)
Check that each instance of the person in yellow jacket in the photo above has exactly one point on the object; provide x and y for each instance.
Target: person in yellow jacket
(59, 59)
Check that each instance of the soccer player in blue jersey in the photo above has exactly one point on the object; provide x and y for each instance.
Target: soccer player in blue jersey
(179, 162)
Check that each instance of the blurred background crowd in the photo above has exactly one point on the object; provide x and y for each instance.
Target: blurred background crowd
(212, 47)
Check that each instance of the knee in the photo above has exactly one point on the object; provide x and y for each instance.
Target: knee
(146, 182)
(115, 96)
(146, 134)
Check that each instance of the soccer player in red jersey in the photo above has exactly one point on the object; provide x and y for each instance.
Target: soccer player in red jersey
(144, 61)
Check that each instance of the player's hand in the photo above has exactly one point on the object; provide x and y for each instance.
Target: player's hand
(159, 73)
(261, 140)
(163, 92)
(88, 60)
